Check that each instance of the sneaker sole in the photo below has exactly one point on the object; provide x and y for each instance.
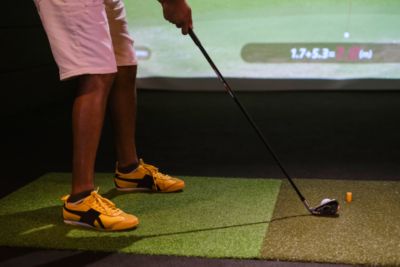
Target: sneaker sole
(85, 225)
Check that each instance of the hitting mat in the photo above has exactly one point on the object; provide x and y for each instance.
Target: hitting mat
(367, 231)
(212, 217)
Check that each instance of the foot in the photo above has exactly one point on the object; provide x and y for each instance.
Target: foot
(98, 213)
(147, 177)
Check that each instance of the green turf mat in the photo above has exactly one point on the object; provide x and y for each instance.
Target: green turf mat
(212, 217)
(366, 232)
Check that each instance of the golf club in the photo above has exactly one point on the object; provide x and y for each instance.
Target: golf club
(328, 207)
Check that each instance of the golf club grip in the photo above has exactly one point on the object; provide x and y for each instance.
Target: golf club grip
(247, 115)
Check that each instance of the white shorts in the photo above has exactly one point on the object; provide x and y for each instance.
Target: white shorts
(87, 36)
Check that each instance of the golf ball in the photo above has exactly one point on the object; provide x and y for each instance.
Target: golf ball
(346, 35)
(325, 200)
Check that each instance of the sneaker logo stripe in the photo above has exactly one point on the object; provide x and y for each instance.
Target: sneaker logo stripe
(145, 182)
(88, 217)
(100, 222)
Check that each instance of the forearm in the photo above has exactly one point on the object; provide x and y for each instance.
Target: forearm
(179, 13)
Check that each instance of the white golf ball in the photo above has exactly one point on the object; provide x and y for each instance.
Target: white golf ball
(346, 35)
(325, 200)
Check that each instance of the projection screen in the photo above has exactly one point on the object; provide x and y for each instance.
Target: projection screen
(271, 44)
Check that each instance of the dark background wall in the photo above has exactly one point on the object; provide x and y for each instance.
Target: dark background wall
(28, 74)
(30, 95)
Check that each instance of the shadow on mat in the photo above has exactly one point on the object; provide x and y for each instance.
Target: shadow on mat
(44, 228)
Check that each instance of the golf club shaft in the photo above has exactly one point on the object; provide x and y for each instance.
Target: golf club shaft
(247, 115)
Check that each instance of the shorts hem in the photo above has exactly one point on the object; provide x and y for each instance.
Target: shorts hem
(131, 63)
(72, 74)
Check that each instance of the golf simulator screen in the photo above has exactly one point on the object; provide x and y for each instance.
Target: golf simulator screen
(271, 39)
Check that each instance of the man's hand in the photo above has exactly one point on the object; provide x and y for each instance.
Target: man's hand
(179, 13)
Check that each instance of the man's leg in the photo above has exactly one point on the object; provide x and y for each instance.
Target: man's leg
(132, 174)
(87, 122)
(84, 22)
(122, 103)
(85, 207)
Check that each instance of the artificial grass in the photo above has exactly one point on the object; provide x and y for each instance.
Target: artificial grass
(366, 232)
(212, 217)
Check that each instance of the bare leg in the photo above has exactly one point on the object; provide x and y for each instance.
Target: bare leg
(87, 122)
(122, 103)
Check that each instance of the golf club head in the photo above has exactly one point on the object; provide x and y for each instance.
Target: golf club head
(329, 208)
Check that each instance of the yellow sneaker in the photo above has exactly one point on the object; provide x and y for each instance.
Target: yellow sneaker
(147, 177)
(97, 212)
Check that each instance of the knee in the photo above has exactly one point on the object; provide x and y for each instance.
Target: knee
(102, 81)
(99, 84)
(127, 72)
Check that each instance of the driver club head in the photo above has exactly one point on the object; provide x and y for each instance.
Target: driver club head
(329, 208)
